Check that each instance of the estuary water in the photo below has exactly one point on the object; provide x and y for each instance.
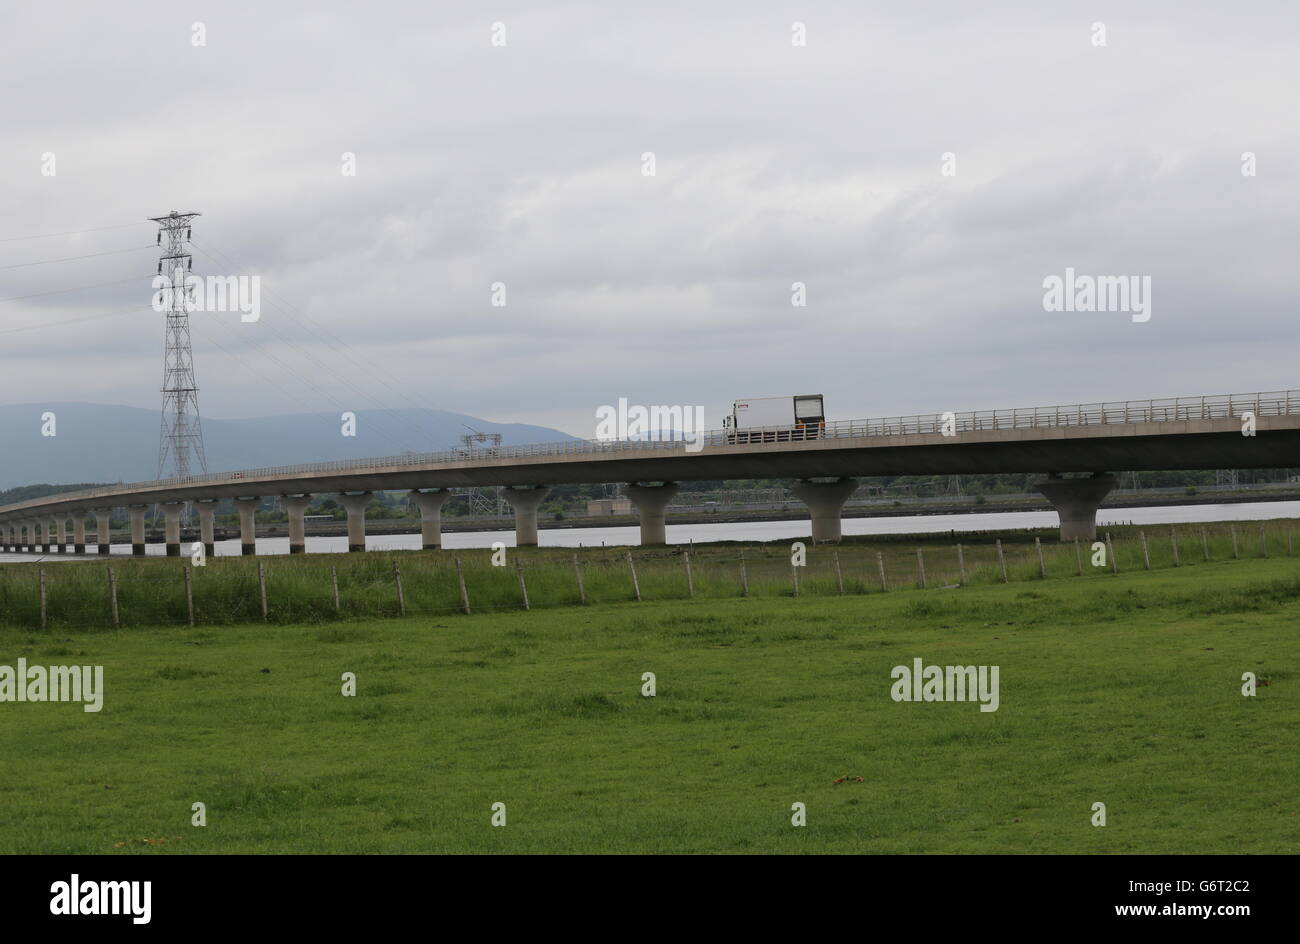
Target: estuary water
(752, 531)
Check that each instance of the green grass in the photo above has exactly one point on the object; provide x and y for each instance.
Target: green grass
(1123, 690)
(152, 591)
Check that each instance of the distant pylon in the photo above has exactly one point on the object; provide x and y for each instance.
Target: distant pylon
(181, 436)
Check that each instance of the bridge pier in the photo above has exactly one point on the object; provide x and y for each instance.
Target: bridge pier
(651, 502)
(825, 501)
(61, 533)
(206, 507)
(103, 524)
(356, 507)
(296, 507)
(172, 527)
(1076, 502)
(525, 501)
(33, 538)
(430, 504)
(247, 508)
(79, 532)
(47, 544)
(136, 514)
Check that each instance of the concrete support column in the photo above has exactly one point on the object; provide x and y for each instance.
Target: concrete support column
(296, 507)
(430, 504)
(1076, 502)
(356, 506)
(206, 508)
(61, 533)
(33, 536)
(48, 544)
(172, 527)
(103, 528)
(651, 502)
(524, 501)
(825, 501)
(136, 513)
(79, 532)
(247, 507)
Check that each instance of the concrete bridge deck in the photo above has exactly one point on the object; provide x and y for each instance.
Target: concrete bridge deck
(1181, 433)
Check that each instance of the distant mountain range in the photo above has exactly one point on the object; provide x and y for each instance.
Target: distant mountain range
(94, 443)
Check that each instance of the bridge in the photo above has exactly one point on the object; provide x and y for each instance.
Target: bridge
(1238, 431)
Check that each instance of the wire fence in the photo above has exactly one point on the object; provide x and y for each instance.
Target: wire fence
(282, 590)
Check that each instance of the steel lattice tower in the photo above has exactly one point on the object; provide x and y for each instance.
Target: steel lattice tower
(182, 435)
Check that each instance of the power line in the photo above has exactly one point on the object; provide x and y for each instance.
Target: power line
(62, 291)
(70, 232)
(340, 348)
(68, 321)
(288, 370)
(91, 255)
(335, 343)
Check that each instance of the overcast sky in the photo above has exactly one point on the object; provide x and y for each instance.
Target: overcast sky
(774, 163)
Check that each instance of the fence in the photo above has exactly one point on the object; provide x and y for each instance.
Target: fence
(318, 589)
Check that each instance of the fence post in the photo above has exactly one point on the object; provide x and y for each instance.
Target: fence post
(1002, 560)
(464, 594)
(577, 572)
(112, 597)
(794, 578)
(839, 574)
(1263, 540)
(1173, 541)
(690, 580)
(1233, 529)
(744, 575)
(401, 597)
(523, 587)
(920, 563)
(1110, 552)
(1288, 543)
(1078, 557)
(189, 594)
(1146, 557)
(961, 565)
(1038, 545)
(41, 578)
(334, 586)
(1205, 544)
(636, 587)
(261, 584)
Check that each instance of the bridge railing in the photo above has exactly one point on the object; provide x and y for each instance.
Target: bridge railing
(1280, 403)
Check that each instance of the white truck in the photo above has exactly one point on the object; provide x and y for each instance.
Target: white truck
(775, 419)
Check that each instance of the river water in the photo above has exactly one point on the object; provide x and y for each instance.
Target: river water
(755, 531)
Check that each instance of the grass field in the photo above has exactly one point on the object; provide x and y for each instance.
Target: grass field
(1124, 690)
(300, 589)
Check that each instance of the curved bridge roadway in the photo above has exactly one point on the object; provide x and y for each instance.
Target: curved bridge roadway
(1236, 431)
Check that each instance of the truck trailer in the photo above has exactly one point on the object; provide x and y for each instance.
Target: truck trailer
(775, 419)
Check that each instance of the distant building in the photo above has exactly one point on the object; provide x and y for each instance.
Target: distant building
(609, 506)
